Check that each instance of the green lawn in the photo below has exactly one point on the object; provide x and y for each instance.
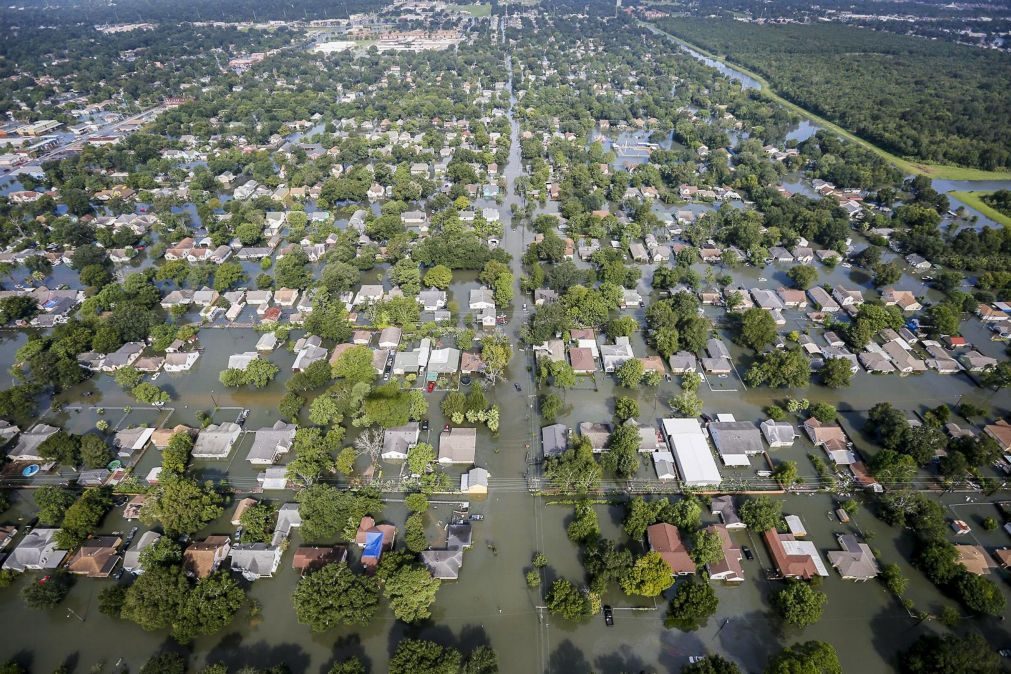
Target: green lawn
(477, 10)
(939, 171)
(975, 200)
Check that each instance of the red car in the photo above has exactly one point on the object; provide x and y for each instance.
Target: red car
(430, 387)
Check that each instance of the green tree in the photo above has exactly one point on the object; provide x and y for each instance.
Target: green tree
(63, 448)
(260, 372)
(584, 525)
(711, 664)
(52, 502)
(780, 368)
(707, 548)
(48, 591)
(334, 596)
(165, 663)
(258, 523)
(83, 517)
(182, 505)
(691, 606)
(786, 474)
(411, 592)
(629, 373)
(687, 403)
(810, 657)
(648, 577)
(622, 456)
(836, 373)
(147, 392)
(761, 513)
(329, 513)
(482, 660)
(626, 408)
(440, 276)
(209, 607)
(758, 328)
(417, 656)
(156, 599)
(932, 654)
(177, 454)
(228, 275)
(355, 365)
(416, 503)
(566, 600)
(799, 603)
(802, 276)
(575, 471)
(95, 453)
(414, 533)
(420, 457)
(980, 595)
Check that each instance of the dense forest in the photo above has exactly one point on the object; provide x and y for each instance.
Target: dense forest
(930, 101)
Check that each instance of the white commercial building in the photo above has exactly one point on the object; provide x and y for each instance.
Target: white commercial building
(691, 451)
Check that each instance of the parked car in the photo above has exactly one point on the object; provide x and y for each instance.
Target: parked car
(746, 551)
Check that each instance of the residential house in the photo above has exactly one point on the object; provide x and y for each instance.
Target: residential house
(256, 560)
(308, 350)
(37, 551)
(389, 338)
(432, 299)
(847, 297)
(131, 440)
(598, 434)
(215, 441)
(974, 361)
(27, 448)
(131, 558)
(778, 433)
(724, 508)
(96, 558)
(582, 360)
(683, 362)
(729, 568)
(397, 441)
(1001, 433)
(474, 481)
(736, 441)
(614, 356)
(374, 539)
(665, 539)
(822, 300)
(315, 557)
(203, 558)
(543, 295)
(269, 444)
(904, 299)
(792, 298)
(482, 298)
(122, 357)
(458, 446)
(554, 439)
(793, 558)
(855, 561)
(974, 559)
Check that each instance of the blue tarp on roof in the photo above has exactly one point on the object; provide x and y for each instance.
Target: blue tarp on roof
(373, 544)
